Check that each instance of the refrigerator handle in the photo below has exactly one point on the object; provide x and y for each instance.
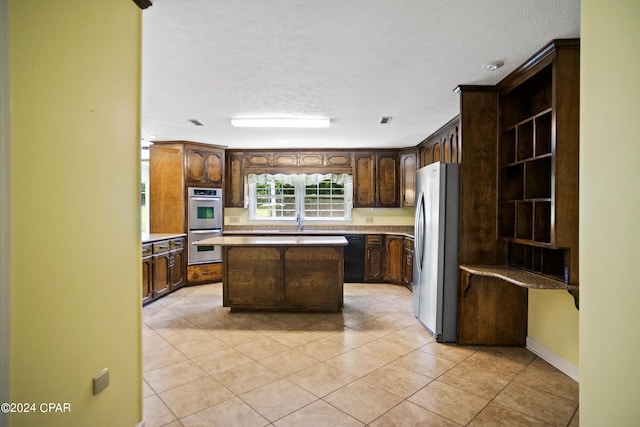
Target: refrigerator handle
(419, 230)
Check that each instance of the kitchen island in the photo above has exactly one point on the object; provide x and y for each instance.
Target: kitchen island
(281, 273)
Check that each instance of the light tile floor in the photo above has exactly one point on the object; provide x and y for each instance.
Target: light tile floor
(372, 364)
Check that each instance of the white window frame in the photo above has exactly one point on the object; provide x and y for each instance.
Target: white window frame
(300, 194)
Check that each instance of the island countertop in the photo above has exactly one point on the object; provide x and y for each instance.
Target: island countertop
(296, 240)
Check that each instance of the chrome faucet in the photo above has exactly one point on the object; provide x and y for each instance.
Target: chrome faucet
(299, 220)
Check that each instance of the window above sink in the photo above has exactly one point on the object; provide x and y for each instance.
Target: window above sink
(300, 197)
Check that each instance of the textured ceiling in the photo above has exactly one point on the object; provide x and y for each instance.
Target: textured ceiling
(352, 61)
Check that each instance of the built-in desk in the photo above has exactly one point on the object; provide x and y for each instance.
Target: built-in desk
(517, 277)
(282, 273)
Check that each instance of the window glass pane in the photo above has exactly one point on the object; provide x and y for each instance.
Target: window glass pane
(275, 200)
(285, 197)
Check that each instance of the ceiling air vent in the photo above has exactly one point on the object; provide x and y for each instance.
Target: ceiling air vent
(196, 122)
(384, 120)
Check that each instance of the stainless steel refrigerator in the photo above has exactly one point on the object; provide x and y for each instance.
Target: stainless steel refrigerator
(435, 267)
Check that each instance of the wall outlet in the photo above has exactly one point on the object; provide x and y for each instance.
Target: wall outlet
(369, 220)
(234, 219)
(101, 381)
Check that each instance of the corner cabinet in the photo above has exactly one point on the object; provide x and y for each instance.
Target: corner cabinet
(538, 157)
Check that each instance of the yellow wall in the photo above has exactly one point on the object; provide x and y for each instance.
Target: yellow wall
(610, 214)
(75, 71)
(553, 323)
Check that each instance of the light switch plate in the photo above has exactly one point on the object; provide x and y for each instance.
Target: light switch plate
(101, 381)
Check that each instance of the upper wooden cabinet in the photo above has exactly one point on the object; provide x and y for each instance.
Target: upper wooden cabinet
(376, 179)
(204, 165)
(234, 184)
(174, 166)
(364, 180)
(442, 146)
(408, 167)
(263, 161)
(375, 174)
(387, 179)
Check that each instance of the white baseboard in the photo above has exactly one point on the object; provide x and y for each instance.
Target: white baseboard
(553, 359)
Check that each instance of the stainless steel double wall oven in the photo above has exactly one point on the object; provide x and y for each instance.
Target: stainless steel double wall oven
(204, 221)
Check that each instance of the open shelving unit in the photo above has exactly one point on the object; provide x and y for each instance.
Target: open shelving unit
(538, 163)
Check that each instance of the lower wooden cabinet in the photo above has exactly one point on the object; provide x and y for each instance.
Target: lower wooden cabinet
(204, 273)
(163, 268)
(393, 256)
(147, 273)
(407, 264)
(374, 261)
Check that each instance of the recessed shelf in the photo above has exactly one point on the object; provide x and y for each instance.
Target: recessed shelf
(547, 261)
(524, 141)
(524, 220)
(543, 134)
(512, 182)
(538, 178)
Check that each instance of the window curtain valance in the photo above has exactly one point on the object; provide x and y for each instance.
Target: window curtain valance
(299, 179)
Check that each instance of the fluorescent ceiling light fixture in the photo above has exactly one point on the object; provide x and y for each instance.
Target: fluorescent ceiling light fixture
(280, 123)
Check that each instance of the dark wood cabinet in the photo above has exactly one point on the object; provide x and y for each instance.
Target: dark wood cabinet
(178, 263)
(173, 167)
(407, 262)
(408, 167)
(376, 179)
(387, 179)
(393, 257)
(163, 267)
(364, 180)
(147, 273)
(234, 184)
(204, 166)
(162, 264)
(443, 145)
(240, 163)
(204, 273)
(519, 190)
(374, 262)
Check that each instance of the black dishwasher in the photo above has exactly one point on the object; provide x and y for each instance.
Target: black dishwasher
(354, 259)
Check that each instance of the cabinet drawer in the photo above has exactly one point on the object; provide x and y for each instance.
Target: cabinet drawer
(203, 273)
(147, 250)
(374, 239)
(161, 247)
(177, 244)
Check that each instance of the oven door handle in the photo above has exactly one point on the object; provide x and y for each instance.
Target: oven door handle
(205, 231)
(206, 199)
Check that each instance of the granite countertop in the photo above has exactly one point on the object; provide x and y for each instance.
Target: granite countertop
(296, 240)
(517, 276)
(154, 237)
